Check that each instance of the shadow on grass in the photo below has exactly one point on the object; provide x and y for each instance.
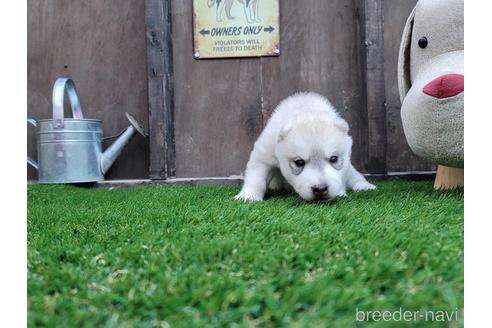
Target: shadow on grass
(293, 199)
(395, 187)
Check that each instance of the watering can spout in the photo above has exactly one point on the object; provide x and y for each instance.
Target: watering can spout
(113, 151)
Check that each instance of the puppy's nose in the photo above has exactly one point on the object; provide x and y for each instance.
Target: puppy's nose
(320, 190)
(445, 86)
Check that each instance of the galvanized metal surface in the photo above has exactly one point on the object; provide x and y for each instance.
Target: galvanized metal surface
(235, 28)
(70, 150)
(113, 151)
(69, 154)
(59, 88)
(32, 162)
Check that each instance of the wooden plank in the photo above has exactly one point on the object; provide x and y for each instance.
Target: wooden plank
(218, 106)
(398, 154)
(221, 105)
(320, 53)
(158, 24)
(100, 45)
(204, 181)
(373, 24)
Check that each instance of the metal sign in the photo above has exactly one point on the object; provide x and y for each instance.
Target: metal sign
(236, 28)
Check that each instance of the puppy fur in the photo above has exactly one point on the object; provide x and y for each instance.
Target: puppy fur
(305, 146)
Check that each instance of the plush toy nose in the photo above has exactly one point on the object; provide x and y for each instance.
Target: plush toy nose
(445, 86)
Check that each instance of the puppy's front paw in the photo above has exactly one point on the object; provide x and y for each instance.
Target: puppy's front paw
(363, 185)
(246, 195)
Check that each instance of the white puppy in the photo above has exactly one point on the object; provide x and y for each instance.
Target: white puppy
(305, 146)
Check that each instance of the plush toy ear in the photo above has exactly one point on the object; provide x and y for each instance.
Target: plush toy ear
(404, 82)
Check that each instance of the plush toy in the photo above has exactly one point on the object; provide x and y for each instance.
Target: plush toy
(431, 85)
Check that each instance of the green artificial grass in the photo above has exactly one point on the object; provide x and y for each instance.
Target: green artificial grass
(194, 257)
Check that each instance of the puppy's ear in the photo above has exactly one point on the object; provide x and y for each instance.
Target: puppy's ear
(342, 125)
(284, 131)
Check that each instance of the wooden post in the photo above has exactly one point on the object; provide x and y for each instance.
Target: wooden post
(449, 177)
(160, 88)
(371, 17)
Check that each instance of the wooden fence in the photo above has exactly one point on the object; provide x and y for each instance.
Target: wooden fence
(204, 116)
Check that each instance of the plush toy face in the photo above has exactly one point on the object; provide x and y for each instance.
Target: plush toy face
(431, 81)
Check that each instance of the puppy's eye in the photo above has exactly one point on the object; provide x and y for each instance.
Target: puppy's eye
(423, 42)
(333, 159)
(299, 162)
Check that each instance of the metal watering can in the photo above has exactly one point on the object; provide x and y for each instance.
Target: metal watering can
(70, 149)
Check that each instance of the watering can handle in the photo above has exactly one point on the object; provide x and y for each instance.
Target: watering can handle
(29, 159)
(62, 84)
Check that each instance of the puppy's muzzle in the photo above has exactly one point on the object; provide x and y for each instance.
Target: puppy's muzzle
(320, 191)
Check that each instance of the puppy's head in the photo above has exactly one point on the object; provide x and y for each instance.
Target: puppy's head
(313, 153)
